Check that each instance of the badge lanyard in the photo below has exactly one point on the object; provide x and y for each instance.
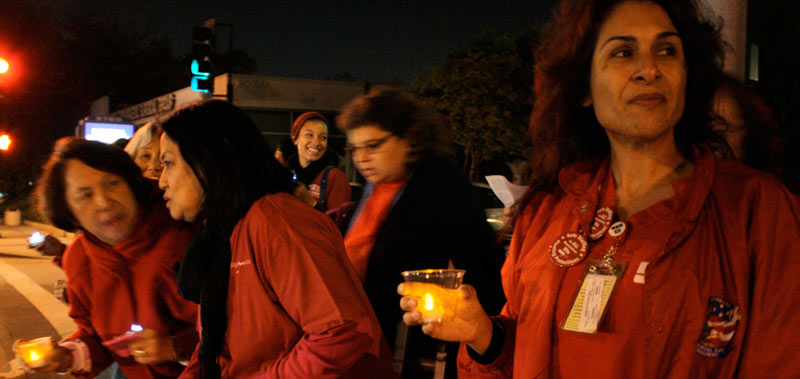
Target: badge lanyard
(601, 276)
(600, 279)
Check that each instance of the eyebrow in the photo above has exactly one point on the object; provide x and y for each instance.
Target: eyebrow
(661, 35)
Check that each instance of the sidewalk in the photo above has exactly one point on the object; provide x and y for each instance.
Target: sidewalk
(14, 239)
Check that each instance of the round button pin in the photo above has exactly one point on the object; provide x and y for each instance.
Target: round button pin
(569, 249)
(601, 223)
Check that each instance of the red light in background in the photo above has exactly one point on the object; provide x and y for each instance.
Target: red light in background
(3, 66)
(5, 142)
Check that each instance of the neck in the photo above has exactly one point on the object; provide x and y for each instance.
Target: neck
(643, 174)
(303, 162)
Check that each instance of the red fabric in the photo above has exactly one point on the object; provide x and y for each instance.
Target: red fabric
(133, 282)
(361, 236)
(729, 231)
(295, 307)
(337, 190)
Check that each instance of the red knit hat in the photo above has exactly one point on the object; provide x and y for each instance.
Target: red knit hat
(300, 120)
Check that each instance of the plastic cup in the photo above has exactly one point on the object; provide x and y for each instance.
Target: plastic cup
(34, 352)
(436, 292)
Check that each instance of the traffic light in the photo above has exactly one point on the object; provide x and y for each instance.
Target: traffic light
(201, 67)
(3, 66)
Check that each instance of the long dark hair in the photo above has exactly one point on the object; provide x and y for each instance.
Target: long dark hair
(232, 161)
(564, 131)
(97, 155)
(235, 167)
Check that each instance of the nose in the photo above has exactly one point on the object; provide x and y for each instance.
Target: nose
(102, 200)
(360, 155)
(162, 182)
(647, 71)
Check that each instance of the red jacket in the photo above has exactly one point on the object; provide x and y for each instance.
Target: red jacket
(734, 234)
(337, 190)
(296, 308)
(132, 282)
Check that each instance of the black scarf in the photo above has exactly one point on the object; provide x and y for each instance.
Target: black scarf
(307, 174)
(203, 279)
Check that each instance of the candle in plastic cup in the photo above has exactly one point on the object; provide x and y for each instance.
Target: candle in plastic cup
(436, 292)
(34, 352)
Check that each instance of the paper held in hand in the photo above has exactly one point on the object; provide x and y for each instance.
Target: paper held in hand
(506, 191)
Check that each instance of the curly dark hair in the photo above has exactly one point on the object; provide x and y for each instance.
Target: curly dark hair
(761, 130)
(51, 189)
(402, 115)
(564, 131)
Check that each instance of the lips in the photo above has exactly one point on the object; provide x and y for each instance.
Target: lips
(112, 220)
(648, 99)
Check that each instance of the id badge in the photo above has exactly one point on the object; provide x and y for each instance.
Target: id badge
(591, 303)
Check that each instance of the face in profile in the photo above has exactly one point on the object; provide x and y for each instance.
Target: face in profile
(103, 203)
(379, 156)
(638, 73)
(312, 141)
(182, 190)
(147, 158)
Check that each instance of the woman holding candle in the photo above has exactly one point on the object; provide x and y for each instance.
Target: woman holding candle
(417, 211)
(277, 296)
(691, 259)
(312, 166)
(120, 269)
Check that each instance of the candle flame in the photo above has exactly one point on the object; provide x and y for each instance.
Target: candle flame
(428, 302)
(34, 356)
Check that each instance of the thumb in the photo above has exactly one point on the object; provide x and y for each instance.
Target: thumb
(468, 292)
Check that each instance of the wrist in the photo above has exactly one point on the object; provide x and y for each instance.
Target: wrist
(483, 335)
(67, 360)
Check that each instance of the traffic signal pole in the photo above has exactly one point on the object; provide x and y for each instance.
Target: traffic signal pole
(203, 50)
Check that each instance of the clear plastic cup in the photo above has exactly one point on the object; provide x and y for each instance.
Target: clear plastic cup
(436, 291)
(34, 352)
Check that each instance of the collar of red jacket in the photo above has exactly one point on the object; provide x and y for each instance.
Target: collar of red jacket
(583, 182)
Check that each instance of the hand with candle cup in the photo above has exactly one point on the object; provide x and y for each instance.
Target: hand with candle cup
(152, 347)
(42, 355)
(469, 322)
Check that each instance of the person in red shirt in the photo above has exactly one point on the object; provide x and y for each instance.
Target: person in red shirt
(278, 297)
(120, 269)
(314, 166)
(636, 252)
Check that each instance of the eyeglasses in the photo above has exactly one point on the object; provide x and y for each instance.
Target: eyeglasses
(369, 147)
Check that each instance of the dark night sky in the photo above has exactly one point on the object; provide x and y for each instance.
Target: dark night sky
(371, 40)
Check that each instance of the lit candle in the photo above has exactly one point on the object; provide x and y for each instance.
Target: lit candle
(34, 352)
(436, 292)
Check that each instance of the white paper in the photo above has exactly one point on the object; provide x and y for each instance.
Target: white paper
(506, 191)
(592, 303)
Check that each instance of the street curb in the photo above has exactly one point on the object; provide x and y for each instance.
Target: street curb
(50, 229)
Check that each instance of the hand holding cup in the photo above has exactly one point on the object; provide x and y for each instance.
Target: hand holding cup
(461, 319)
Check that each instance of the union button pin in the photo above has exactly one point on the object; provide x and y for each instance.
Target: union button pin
(569, 249)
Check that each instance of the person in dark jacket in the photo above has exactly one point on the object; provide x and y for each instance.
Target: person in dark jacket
(417, 212)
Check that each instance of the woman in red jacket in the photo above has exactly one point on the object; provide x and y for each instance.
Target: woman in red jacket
(636, 253)
(277, 295)
(312, 165)
(120, 269)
